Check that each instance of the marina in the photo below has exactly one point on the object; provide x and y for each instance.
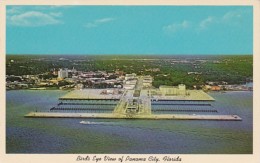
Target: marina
(165, 103)
(107, 135)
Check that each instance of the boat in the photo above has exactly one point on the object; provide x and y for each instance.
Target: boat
(87, 123)
(95, 123)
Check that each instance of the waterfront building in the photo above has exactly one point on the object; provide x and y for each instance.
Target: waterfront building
(215, 88)
(173, 90)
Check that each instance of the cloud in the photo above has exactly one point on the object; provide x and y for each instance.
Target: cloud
(206, 22)
(34, 16)
(41, 8)
(234, 17)
(34, 19)
(176, 26)
(98, 22)
(104, 20)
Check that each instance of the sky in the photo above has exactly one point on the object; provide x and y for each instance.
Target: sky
(129, 30)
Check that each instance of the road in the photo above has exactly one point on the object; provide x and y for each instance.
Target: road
(143, 101)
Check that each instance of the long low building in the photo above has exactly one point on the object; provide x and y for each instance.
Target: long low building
(189, 95)
(173, 90)
(93, 94)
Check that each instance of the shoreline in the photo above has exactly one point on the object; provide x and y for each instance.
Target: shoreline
(43, 89)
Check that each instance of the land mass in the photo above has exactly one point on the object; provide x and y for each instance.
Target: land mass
(194, 71)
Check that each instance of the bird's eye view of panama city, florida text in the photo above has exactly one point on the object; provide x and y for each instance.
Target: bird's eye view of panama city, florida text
(104, 79)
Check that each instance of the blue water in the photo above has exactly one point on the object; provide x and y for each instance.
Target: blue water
(67, 135)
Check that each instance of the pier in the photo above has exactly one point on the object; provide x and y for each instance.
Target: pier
(121, 116)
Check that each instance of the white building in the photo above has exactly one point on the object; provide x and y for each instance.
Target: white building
(79, 86)
(131, 82)
(173, 90)
(147, 81)
(127, 86)
(63, 73)
(130, 76)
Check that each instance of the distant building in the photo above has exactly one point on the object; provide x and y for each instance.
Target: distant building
(127, 86)
(55, 72)
(215, 88)
(73, 70)
(130, 76)
(207, 87)
(55, 81)
(147, 81)
(63, 73)
(173, 90)
(79, 86)
(131, 82)
(87, 74)
(153, 69)
(119, 72)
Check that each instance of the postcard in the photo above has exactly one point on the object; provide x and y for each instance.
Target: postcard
(129, 82)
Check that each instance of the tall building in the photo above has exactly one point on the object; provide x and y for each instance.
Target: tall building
(73, 70)
(63, 73)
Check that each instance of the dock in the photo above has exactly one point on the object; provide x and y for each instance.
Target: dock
(123, 116)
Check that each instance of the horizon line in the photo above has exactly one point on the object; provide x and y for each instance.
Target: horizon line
(123, 54)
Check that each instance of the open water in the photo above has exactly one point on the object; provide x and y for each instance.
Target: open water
(67, 135)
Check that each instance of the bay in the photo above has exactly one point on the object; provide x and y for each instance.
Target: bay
(67, 135)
